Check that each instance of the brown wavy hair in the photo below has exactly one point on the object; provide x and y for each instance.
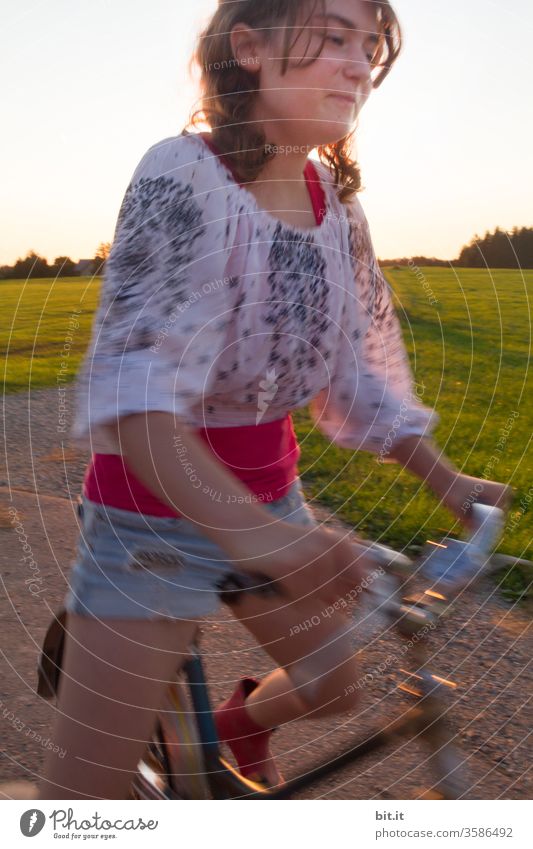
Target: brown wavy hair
(228, 89)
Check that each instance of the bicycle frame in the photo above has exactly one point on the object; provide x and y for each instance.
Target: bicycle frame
(425, 719)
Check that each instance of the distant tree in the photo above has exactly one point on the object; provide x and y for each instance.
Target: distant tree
(427, 260)
(100, 257)
(499, 249)
(63, 266)
(31, 266)
(522, 242)
(414, 260)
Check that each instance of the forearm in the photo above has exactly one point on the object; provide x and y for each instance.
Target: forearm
(178, 468)
(456, 491)
(422, 457)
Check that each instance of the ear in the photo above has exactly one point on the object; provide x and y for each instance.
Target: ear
(245, 44)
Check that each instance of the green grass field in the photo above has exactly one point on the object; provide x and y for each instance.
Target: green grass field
(470, 350)
(35, 323)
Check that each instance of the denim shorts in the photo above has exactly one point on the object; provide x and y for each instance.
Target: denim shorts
(135, 566)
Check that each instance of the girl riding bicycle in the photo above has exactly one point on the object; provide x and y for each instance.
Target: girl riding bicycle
(241, 285)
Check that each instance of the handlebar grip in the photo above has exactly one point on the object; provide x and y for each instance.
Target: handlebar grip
(232, 587)
(489, 524)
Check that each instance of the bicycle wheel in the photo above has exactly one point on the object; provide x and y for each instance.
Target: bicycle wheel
(172, 767)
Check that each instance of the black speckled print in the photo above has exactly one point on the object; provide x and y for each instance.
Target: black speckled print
(383, 337)
(156, 212)
(297, 308)
(362, 261)
(205, 297)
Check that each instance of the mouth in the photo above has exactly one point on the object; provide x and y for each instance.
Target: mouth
(345, 98)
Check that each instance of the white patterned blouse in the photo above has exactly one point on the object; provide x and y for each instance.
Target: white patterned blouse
(209, 304)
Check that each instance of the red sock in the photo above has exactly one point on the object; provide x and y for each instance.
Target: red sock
(248, 741)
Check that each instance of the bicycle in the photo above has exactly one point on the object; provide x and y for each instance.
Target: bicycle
(183, 758)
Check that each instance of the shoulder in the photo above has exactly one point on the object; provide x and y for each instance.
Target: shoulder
(177, 184)
(351, 213)
(359, 237)
(184, 159)
(355, 210)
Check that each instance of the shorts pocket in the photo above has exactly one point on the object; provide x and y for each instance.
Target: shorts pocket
(151, 557)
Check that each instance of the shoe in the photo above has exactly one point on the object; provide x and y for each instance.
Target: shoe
(249, 742)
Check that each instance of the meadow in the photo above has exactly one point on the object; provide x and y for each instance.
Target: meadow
(468, 333)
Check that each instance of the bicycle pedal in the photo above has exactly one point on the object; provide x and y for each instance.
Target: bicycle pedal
(410, 689)
(429, 600)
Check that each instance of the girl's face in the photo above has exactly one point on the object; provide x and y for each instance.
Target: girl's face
(318, 103)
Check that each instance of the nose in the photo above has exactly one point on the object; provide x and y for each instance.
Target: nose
(358, 68)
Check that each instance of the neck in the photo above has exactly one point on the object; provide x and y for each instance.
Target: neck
(291, 156)
(286, 165)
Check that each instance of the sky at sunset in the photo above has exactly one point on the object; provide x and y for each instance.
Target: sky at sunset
(445, 145)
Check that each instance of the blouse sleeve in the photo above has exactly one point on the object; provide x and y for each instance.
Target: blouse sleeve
(372, 401)
(165, 300)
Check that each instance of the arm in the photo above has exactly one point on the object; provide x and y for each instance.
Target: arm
(455, 490)
(161, 452)
(422, 457)
(314, 561)
(373, 403)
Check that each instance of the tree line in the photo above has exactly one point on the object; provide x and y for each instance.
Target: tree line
(34, 266)
(500, 249)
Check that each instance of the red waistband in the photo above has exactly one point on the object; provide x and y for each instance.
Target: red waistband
(264, 457)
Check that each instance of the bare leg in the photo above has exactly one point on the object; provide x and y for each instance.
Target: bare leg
(280, 697)
(319, 655)
(114, 677)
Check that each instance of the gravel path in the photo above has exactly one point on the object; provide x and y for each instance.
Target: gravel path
(37, 455)
(483, 647)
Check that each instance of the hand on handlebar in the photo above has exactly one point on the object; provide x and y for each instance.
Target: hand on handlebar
(466, 490)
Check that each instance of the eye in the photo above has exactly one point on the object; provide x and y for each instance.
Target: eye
(336, 39)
